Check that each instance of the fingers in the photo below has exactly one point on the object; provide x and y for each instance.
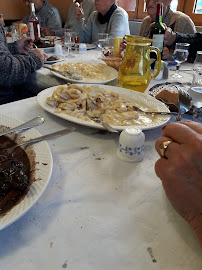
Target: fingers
(41, 54)
(28, 44)
(194, 125)
(181, 132)
(171, 149)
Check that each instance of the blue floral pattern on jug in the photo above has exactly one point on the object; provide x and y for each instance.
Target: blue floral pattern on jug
(131, 151)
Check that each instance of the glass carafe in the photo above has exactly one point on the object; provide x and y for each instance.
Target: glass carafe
(135, 71)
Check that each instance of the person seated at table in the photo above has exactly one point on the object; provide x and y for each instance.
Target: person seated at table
(87, 8)
(47, 14)
(176, 20)
(180, 169)
(16, 65)
(195, 41)
(2, 19)
(108, 18)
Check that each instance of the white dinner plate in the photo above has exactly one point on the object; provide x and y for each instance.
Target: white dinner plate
(41, 172)
(60, 59)
(111, 74)
(48, 49)
(90, 46)
(143, 99)
(46, 38)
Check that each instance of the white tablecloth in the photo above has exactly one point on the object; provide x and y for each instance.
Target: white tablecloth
(97, 212)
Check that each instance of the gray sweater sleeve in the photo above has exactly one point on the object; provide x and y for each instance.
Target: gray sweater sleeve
(85, 31)
(16, 68)
(118, 24)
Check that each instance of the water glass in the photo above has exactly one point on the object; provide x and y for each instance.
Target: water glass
(69, 42)
(103, 41)
(198, 62)
(197, 76)
(180, 55)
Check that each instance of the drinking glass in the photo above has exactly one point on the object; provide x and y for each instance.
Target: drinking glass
(15, 32)
(198, 62)
(197, 76)
(69, 42)
(103, 41)
(180, 55)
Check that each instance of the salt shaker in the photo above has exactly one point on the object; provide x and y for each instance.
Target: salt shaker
(82, 48)
(131, 145)
(58, 49)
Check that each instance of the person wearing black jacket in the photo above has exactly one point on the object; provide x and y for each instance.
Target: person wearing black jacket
(195, 41)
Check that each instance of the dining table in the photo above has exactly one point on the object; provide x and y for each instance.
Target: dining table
(97, 212)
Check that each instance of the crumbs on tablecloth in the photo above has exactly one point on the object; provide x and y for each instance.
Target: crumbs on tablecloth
(83, 148)
(64, 265)
(149, 249)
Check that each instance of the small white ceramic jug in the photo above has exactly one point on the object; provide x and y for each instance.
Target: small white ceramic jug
(131, 145)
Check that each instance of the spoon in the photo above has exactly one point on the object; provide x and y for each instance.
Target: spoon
(184, 103)
(41, 138)
(30, 124)
(66, 73)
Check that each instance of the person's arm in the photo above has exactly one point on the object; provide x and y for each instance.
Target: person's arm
(144, 27)
(85, 31)
(184, 24)
(181, 170)
(16, 68)
(195, 41)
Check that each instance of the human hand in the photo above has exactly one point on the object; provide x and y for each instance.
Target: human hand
(46, 32)
(78, 11)
(169, 36)
(41, 54)
(24, 44)
(181, 171)
(166, 54)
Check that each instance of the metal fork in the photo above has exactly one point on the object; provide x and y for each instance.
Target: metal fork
(184, 103)
(100, 121)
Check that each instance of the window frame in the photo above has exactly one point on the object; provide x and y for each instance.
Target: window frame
(188, 9)
(185, 6)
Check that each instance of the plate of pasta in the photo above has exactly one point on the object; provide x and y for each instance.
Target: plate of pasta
(85, 72)
(79, 103)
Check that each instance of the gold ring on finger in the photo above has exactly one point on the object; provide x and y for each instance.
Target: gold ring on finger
(163, 147)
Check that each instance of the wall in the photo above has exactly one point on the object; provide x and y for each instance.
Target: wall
(15, 9)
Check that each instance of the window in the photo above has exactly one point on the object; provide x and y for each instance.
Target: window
(137, 9)
(198, 7)
(174, 4)
(193, 8)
